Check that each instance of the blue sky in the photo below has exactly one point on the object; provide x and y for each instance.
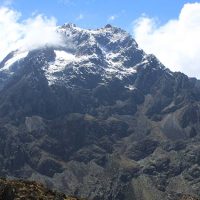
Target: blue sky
(96, 13)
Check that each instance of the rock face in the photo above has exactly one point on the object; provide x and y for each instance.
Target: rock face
(100, 119)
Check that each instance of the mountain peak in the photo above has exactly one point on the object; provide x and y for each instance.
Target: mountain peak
(111, 27)
(108, 26)
(68, 25)
(108, 52)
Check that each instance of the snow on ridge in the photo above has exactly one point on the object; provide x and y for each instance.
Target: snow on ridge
(18, 55)
(113, 65)
(115, 34)
(62, 59)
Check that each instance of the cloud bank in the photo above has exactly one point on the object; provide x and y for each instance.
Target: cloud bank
(176, 43)
(31, 33)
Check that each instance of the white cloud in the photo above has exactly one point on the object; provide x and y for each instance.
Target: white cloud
(80, 17)
(112, 17)
(175, 43)
(31, 33)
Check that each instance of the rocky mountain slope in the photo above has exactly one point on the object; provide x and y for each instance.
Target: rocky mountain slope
(100, 119)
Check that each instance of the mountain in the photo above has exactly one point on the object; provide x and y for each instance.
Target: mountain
(99, 118)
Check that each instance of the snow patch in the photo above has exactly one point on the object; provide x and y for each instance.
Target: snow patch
(62, 59)
(16, 58)
(130, 87)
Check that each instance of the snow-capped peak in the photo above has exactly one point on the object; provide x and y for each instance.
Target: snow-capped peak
(108, 52)
(105, 53)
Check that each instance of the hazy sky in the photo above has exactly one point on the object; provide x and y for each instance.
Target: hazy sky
(169, 29)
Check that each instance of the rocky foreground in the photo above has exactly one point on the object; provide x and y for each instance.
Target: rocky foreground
(185, 197)
(31, 190)
(28, 190)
